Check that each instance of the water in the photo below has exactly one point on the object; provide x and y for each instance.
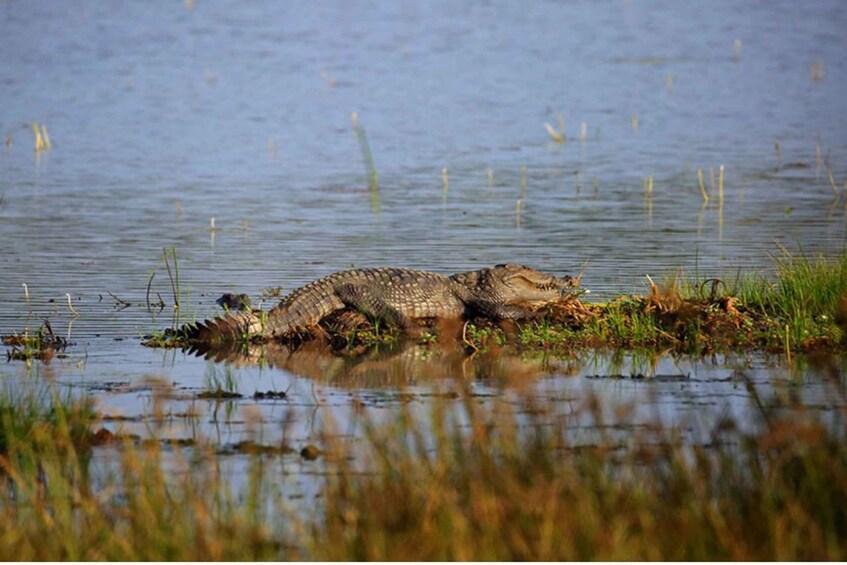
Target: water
(163, 117)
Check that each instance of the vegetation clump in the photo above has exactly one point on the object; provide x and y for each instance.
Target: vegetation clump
(41, 344)
(501, 481)
(803, 308)
(504, 492)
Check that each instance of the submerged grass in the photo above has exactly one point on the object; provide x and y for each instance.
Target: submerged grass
(501, 481)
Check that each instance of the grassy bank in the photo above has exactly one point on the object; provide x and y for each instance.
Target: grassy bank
(800, 306)
(475, 485)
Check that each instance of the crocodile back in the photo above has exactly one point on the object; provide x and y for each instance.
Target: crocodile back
(394, 295)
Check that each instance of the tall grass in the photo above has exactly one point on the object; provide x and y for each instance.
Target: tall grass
(506, 492)
(147, 503)
(28, 413)
(807, 294)
(502, 481)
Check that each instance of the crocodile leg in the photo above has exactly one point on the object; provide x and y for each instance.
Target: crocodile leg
(372, 304)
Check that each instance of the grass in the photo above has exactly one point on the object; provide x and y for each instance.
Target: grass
(220, 385)
(809, 295)
(501, 481)
(30, 414)
(367, 158)
(497, 494)
(801, 307)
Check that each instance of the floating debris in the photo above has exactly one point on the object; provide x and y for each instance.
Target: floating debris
(310, 452)
(41, 344)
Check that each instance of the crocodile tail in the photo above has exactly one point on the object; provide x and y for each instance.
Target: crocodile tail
(232, 327)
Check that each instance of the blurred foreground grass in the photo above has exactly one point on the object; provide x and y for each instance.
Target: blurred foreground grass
(500, 481)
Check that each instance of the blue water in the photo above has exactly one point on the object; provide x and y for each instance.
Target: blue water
(164, 115)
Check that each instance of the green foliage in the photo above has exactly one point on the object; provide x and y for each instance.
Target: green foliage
(806, 295)
(220, 384)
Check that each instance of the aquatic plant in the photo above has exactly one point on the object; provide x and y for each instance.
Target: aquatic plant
(41, 343)
(503, 480)
(220, 384)
(149, 502)
(485, 487)
(42, 139)
(367, 158)
(702, 186)
(557, 137)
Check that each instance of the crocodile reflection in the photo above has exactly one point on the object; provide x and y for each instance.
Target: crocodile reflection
(402, 364)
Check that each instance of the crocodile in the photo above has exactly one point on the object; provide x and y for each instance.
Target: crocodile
(403, 299)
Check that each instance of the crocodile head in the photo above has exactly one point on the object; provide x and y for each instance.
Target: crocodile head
(518, 284)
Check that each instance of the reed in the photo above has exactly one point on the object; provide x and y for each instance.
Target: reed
(219, 384)
(557, 137)
(367, 156)
(74, 313)
(148, 503)
(523, 183)
(504, 490)
(503, 480)
(40, 143)
(46, 137)
(173, 275)
(648, 186)
(832, 182)
(702, 186)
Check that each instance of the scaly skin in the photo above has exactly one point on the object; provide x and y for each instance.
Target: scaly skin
(400, 298)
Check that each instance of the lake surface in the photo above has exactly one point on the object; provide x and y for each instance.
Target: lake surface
(163, 116)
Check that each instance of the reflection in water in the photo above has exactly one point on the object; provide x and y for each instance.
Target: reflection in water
(400, 365)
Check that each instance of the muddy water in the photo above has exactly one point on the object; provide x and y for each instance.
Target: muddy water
(163, 117)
